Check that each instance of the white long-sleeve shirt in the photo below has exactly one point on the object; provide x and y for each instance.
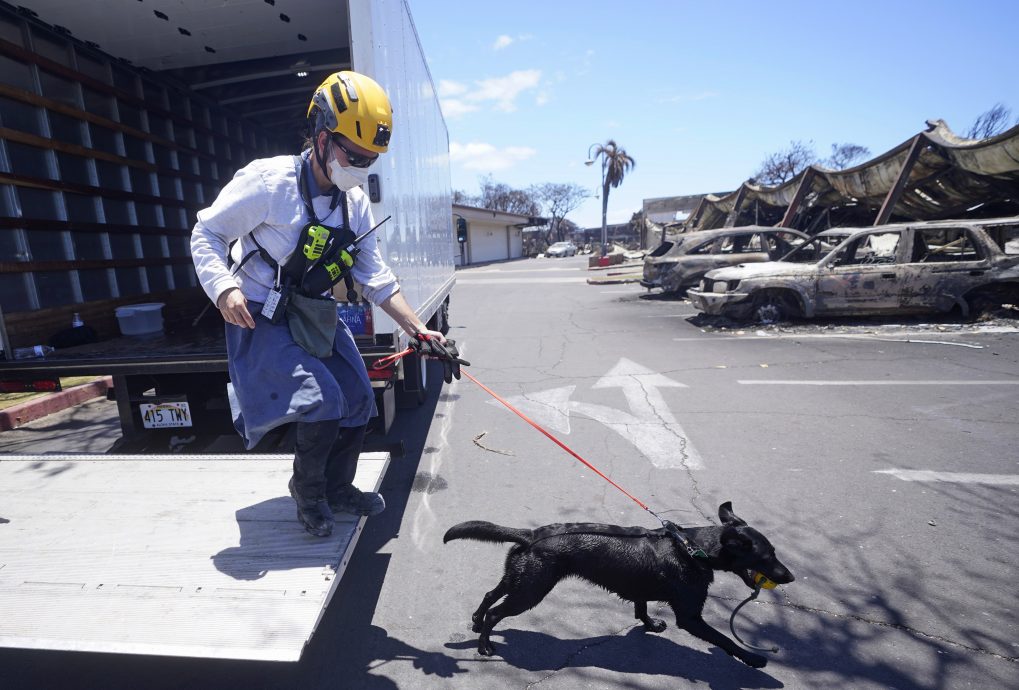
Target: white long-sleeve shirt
(263, 200)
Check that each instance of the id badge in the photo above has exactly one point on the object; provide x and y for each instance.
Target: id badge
(275, 304)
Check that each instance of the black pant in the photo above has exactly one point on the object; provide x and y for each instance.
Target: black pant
(325, 457)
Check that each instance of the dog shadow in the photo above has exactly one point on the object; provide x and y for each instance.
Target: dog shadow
(636, 652)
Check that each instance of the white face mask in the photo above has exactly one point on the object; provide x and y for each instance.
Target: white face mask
(346, 178)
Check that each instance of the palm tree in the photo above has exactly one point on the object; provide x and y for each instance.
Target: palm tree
(616, 162)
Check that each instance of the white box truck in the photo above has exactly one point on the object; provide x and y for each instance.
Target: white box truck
(120, 120)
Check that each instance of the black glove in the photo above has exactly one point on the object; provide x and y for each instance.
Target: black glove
(428, 346)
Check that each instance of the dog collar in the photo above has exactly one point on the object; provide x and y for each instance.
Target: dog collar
(684, 541)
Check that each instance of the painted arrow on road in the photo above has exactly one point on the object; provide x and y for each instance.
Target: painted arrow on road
(650, 426)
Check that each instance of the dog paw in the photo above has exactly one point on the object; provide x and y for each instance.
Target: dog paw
(476, 624)
(486, 648)
(656, 625)
(753, 660)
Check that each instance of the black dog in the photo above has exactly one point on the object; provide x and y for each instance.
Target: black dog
(638, 564)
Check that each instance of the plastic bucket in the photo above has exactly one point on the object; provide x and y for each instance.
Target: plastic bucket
(140, 319)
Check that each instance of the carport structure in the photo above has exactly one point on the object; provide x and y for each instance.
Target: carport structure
(931, 176)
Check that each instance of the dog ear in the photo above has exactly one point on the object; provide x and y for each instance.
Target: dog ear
(735, 541)
(728, 517)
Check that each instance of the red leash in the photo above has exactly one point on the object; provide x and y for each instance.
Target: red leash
(556, 441)
(692, 549)
(391, 359)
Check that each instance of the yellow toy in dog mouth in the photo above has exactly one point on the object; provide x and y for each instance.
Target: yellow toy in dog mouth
(762, 580)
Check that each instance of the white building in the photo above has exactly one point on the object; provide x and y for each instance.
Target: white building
(491, 235)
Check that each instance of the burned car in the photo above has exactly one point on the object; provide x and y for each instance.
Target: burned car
(676, 266)
(931, 266)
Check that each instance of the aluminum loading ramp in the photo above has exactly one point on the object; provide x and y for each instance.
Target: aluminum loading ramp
(173, 555)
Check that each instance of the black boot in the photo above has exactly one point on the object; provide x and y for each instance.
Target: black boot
(341, 493)
(314, 514)
(308, 485)
(351, 500)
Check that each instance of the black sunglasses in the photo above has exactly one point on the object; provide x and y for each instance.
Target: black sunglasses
(357, 160)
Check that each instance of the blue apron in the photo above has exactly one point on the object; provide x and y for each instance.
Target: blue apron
(274, 381)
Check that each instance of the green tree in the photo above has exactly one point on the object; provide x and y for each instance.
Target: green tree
(616, 163)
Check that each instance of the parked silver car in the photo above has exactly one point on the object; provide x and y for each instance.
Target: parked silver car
(560, 249)
(676, 266)
(903, 268)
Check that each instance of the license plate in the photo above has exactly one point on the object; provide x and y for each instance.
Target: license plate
(165, 415)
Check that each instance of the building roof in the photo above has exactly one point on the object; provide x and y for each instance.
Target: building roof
(477, 213)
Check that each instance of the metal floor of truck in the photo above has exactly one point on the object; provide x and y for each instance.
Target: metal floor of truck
(198, 556)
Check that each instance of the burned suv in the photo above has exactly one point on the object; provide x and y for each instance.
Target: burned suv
(918, 267)
(675, 266)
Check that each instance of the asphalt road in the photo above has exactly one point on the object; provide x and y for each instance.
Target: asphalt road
(878, 457)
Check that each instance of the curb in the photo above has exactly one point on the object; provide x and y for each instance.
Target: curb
(30, 410)
(635, 265)
(630, 278)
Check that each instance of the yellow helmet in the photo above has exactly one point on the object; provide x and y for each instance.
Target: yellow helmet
(355, 106)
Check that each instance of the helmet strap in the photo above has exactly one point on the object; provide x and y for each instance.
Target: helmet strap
(334, 201)
(318, 154)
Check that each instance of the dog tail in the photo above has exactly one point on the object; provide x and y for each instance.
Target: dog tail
(487, 531)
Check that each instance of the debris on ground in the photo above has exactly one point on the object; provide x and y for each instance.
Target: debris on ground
(477, 442)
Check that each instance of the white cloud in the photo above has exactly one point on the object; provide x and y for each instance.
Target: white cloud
(451, 88)
(503, 91)
(505, 41)
(486, 157)
(453, 108)
(499, 93)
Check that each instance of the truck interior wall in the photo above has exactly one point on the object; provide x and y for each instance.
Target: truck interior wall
(103, 167)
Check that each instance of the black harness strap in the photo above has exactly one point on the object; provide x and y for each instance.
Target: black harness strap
(261, 251)
(338, 196)
(304, 188)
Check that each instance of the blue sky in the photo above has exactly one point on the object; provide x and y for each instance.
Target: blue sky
(698, 93)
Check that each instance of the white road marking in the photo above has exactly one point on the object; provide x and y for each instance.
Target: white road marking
(649, 426)
(750, 382)
(424, 521)
(954, 477)
(561, 269)
(517, 281)
(861, 336)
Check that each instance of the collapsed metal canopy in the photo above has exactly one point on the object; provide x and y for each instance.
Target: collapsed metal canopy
(933, 175)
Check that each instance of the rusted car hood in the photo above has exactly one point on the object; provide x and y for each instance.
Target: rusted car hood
(766, 268)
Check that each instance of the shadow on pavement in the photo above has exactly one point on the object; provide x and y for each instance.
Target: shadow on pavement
(635, 653)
